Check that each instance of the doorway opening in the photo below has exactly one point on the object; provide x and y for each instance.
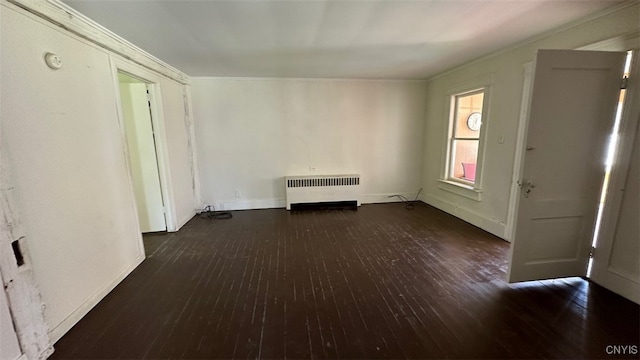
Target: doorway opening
(611, 150)
(137, 111)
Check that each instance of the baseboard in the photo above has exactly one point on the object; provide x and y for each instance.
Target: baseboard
(492, 226)
(184, 220)
(620, 282)
(386, 198)
(276, 203)
(254, 204)
(59, 330)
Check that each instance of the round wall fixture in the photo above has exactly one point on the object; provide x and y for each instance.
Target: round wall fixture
(53, 61)
(474, 121)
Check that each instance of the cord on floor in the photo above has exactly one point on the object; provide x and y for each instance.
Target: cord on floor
(209, 212)
(408, 204)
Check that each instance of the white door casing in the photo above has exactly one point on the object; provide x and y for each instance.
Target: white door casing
(571, 113)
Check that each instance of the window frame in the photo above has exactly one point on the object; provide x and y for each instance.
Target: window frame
(471, 190)
(453, 137)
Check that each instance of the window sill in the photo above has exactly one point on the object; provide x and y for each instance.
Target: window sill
(461, 189)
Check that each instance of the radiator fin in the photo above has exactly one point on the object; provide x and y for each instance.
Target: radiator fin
(322, 188)
(323, 181)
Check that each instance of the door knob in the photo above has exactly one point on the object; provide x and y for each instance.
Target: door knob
(526, 186)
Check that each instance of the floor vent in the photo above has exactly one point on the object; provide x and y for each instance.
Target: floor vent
(323, 188)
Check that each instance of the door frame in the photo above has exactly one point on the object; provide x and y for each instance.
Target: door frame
(154, 218)
(157, 119)
(518, 162)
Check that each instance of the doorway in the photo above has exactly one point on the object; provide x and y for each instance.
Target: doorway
(138, 124)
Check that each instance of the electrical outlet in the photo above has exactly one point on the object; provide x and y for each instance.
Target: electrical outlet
(312, 168)
(238, 194)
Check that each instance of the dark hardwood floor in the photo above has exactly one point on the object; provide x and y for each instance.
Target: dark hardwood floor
(378, 283)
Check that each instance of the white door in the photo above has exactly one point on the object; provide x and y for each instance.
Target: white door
(570, 117)
(142, 154)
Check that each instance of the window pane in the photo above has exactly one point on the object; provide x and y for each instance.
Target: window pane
(464, 154)
(468, 125)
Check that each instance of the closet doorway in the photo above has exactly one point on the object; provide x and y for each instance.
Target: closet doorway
(137, 114)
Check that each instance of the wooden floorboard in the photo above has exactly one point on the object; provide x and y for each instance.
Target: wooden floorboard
(381, 282)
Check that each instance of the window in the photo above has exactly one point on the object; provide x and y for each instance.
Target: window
(467, 121)
(466, 125)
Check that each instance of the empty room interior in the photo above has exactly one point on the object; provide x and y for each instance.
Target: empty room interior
(421, 179)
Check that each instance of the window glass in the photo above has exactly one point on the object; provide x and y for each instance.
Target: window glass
(465, 136)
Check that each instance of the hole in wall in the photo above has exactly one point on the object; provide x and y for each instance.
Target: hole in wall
(17, 252)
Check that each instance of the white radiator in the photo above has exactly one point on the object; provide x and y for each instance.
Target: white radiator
(322, 188)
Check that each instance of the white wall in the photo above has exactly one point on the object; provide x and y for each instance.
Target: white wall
(61, 137)
(506, 67)
(60, 134)
(252, 132)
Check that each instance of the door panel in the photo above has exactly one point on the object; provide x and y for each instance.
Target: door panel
(571, 114)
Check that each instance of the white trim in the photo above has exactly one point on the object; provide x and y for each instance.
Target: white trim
(518, 161)
(267, 78)
(123, 135)
(461, 189)
(618, 43)
(276, 203)
(474, 83)
(619, 284)
(386, 198)
(538, 37)
(253, 204)
(493, 226)
(195, 169)
(157, 117)
(64, 16)
(84, 308)
(485, 83)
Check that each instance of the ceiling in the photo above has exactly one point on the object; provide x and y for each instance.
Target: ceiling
(329, 39)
